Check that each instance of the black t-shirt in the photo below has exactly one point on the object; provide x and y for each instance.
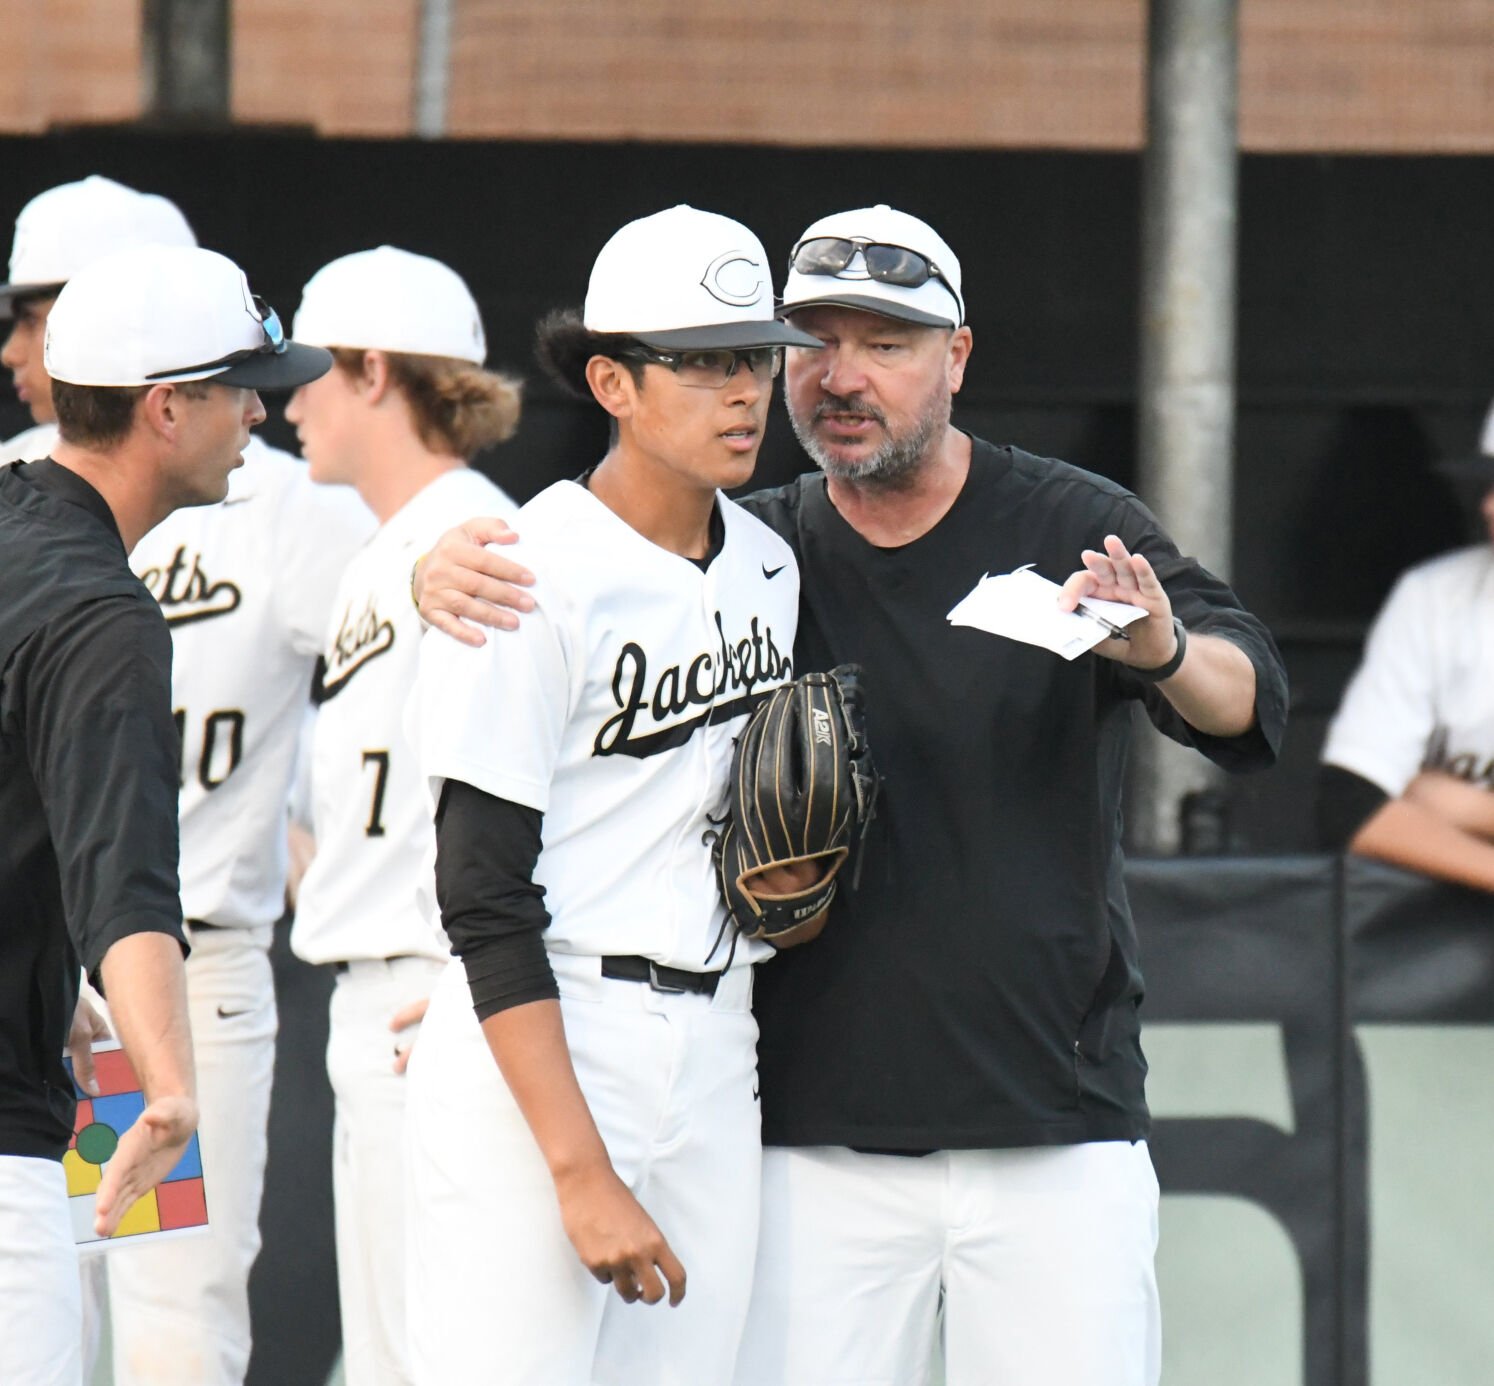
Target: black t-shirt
(88, 780)
(980, 988)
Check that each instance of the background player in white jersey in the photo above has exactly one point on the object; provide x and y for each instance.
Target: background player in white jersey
(1408, 764)
(405, 406)
(578, 766)
(246, 587)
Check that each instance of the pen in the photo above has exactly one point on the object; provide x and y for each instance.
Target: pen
(1116, 632)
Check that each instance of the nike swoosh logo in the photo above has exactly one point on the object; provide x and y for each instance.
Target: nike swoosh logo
(773, 572)
(229, 1015)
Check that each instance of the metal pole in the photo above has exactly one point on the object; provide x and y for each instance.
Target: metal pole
(185, 61)
(1187, 398)
(433, 69)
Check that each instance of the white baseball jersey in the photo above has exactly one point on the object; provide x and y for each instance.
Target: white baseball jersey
(374, 830)
(246, 588)
(29, 446)
(612, 710)
(1421, 698)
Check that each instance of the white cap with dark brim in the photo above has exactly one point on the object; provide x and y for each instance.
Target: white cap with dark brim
(67, 228)
(684, 279)
(389, 299)
(157, 314)
(934, 303)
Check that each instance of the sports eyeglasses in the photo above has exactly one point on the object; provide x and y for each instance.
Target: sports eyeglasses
(274, 344)
(710, 369)
(888, 264)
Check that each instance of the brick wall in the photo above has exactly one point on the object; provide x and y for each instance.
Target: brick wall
(65, 60)
(346, 67)
(1371, 75)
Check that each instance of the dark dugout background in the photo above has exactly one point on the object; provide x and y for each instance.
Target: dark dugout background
(1366, 334)
(1366, 354)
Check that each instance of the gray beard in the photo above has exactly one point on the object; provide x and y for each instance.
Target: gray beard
(896, 462)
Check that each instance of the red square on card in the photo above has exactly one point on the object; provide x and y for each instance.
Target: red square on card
(182, 1204)
(114, 1073)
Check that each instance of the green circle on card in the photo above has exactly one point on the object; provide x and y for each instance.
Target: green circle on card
(97, 1142)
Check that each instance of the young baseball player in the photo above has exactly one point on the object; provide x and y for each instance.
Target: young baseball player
(406, 405)
(246, 587)
(582, 1107)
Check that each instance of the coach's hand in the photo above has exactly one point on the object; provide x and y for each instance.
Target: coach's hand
(616, 1240)
(88, 1025)
(146, 1154)
(460, 582)
(1117, 575)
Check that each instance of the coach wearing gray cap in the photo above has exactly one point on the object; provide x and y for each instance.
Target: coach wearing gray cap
(155, 355)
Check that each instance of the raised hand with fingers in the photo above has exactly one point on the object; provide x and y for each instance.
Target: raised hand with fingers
(1117, 575)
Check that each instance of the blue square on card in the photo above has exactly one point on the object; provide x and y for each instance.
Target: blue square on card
(189, 1166)
(120, 1111)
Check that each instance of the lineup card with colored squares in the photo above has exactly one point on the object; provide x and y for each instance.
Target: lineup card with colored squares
(176, 1206)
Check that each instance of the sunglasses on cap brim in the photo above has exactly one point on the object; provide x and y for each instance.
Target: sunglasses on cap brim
(886, 263)
(274, 344)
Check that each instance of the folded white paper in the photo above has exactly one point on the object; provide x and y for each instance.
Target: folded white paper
(1024, 606)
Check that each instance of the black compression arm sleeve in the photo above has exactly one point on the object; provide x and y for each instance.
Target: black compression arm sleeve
(1346, 802)
(493, 911)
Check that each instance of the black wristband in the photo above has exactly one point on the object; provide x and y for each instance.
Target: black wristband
(1165, 671)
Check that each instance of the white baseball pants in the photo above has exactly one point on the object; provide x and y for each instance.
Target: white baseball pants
(179, 1310)
(497, 1292)
(1037, 1262)
(41, 1317)
(368, 1184)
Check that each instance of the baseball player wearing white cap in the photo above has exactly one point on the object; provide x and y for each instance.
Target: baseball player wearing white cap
(57, 233)
(1408, 763)
(155, 354)
(405, 407)
(246, 587)
(952, 1081)
(577, 767)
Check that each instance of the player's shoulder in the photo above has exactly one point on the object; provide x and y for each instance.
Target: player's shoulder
(746, 528)
(1459, 570)
(779, 507)
(462, 494)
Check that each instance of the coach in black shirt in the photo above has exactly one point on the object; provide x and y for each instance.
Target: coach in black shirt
(155, 354)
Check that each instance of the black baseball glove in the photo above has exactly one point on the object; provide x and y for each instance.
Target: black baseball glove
(803, 788)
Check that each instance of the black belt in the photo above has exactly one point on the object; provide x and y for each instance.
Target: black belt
(636, 969)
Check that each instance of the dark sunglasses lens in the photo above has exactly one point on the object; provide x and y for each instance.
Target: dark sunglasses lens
(826, 255)
(892, 264)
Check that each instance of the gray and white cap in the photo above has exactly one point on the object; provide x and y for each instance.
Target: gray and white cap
(683, 279)
(851, 261)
